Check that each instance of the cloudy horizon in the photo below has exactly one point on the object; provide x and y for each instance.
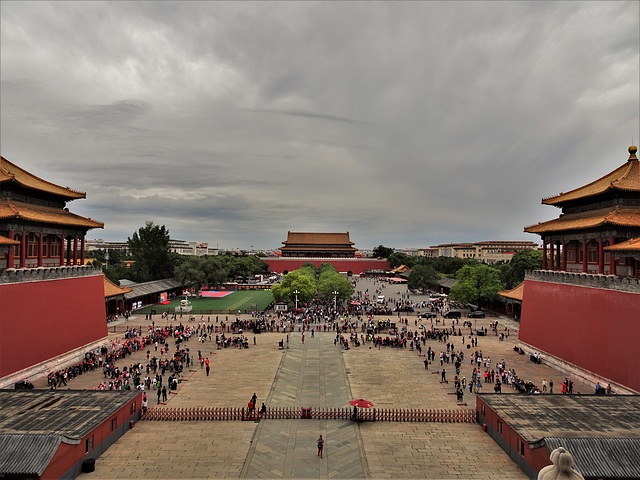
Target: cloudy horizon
(408, 124)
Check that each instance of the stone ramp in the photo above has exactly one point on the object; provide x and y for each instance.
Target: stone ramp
(310, 375)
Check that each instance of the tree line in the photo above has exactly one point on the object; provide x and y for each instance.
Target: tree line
(477, 282)
(309, 282)
(149, 258)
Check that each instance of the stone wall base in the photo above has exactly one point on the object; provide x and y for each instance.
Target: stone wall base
(576, 371)
(42, 369)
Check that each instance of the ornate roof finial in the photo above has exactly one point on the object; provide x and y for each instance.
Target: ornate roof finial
(632, 152)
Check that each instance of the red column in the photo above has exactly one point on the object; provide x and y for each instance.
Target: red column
(551, 253)
(82, 251)
(62, 250)
(601, 256)
(10, 255)
(585, 265)
(612, 261)
(69, 258)
(564, 256)
(40, 241)
(23, 250)
(544, 254)
(558, 255)
(75, 250)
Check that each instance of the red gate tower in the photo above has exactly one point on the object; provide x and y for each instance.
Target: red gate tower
(583, 308)
(51, 304)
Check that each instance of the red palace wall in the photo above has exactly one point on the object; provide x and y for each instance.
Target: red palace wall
(355, 266)
(41, 320)
(68, 455)
(509, 440)
(596, 329)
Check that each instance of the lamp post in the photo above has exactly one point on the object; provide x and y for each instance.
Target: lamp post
(296, 292)
(335, 300)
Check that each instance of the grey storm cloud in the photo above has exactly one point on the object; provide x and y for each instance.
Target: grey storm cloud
(406, 123)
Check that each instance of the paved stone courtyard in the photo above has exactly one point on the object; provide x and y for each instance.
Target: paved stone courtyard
(316, 373)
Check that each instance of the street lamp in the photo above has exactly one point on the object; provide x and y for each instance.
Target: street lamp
(296, 292)
(335, 300)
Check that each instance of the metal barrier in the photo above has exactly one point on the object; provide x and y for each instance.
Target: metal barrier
(323, 413)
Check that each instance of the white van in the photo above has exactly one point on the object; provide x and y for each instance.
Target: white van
(380, 298)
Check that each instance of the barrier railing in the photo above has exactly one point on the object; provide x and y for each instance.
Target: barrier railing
(323, 413)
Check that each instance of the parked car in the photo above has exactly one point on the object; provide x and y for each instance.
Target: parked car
(452, 314)
(427, 315)
(476, 314)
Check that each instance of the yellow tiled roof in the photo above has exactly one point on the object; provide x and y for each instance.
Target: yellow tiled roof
(515, 293)
(401, 268)
(8, 241)
(308, 238)
(626, 177)
(621, 216)
(41, 214)
(631, 245)
(12, 173)
(111, 289)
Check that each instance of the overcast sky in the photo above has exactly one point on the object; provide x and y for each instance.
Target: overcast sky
(407, 124)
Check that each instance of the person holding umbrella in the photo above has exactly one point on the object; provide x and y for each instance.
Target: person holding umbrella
(361, 404)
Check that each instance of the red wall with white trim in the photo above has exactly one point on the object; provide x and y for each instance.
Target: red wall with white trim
(594, 328)
(356, 266)
(41, 320)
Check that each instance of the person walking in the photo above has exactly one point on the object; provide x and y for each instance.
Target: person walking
(320, 443)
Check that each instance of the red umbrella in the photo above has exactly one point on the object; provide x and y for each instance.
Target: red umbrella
(361, 403)
(355, 303)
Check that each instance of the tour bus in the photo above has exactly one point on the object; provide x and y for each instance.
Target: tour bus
(380, 298)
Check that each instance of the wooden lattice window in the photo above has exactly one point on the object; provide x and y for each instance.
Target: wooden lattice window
(54, 246)
(32, 245)
(592, 252)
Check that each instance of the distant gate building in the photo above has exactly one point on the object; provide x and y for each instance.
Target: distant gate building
(334, 248)
(318, 245)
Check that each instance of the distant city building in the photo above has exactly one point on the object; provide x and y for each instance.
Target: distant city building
(180, 247)
(488, 252)
(100, 244)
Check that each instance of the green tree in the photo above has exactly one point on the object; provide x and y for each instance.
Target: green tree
(423, 277)
(196, 272)
(382, 252)
(476, 284)
(398, 258)
(116, 272)
(149, 248)
(291, 282)
(309, 270)
(449, 265)
(324, 267)
(522, 261)
(331, 281)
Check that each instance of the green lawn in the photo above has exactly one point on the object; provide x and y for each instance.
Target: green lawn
(230, 304)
